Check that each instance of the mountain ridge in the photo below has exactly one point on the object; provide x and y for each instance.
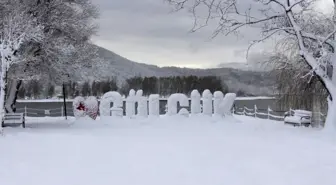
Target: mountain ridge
(113, 65)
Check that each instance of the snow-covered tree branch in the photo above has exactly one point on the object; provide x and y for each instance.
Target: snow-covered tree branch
(44, 39)
(292, 18)
(67, 28)
(16, 29)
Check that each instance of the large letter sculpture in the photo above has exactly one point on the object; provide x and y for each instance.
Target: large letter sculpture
(130, 104)
(105, 103)
(227, 104)
(207, 102)
(91, 107)
(78, 107)
(154, 105)
(172, 103)
(218, 98)
(142, 104)
(195, 107)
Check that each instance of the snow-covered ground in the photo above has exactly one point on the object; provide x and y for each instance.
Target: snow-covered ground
(166, 151)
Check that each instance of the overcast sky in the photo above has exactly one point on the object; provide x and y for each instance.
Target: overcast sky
(147, 31)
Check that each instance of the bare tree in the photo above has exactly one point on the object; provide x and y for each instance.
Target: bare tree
(286, 17)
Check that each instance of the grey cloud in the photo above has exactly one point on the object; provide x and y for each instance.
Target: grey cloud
(147, 31)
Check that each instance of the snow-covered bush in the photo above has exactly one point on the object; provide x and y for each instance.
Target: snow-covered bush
(227, 103)
(207, 102)
(218, 98)
(130, 104)
(91, 107)
(106, 100)
(172, 103)
(154, 105)
(78, 107)
(195, 107)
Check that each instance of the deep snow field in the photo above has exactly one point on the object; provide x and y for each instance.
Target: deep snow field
(166, 151)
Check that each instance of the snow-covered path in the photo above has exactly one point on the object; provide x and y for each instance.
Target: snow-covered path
(167, 151)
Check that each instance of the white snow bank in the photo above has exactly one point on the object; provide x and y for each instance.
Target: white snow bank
(166, 151)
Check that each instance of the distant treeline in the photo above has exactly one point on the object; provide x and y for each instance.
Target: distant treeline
(150, 85)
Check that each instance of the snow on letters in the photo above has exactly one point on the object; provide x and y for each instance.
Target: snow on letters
(108, 98)
(216, 105)
(172, 103)
(218, 98)
(195, 107)
(91, 107)
(130, 104)
(227, 103)
(78, 107)
(207, 102)
(154, 105)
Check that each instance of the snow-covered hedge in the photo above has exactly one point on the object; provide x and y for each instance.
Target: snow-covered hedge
(216, 104)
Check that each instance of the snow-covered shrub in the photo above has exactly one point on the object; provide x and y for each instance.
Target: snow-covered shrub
(106, 100)
(172, 102)
(227, 103)
(78, 107)
(91, 107)
(142, 107)
(195, 107)
(184, 112)
(130, 104)
(207, 102)
(218, 98)
(154, 105)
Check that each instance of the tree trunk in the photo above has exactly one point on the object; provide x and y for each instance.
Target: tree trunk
(12, 96)
(330, 122)
(2, 88)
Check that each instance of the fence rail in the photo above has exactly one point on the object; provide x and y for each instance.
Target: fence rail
(43, 112)
(318, 117)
